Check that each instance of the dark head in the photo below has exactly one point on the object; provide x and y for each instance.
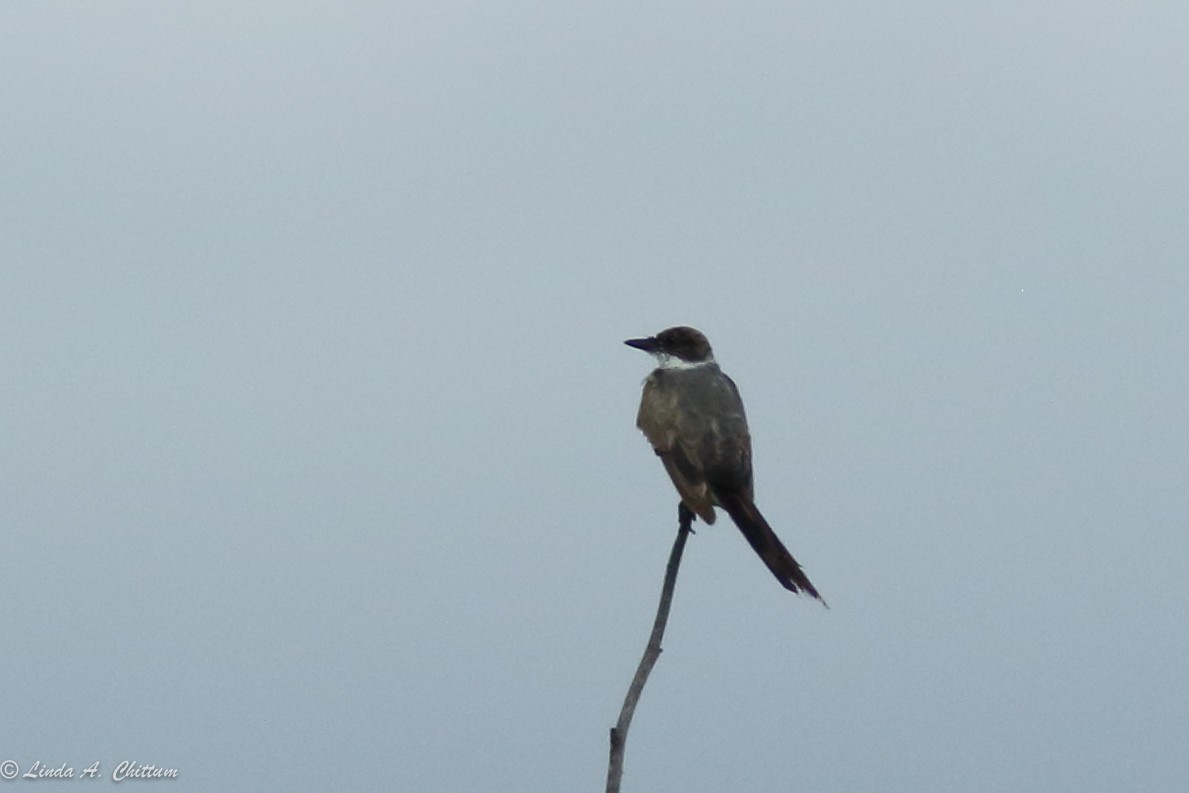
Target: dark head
(682, 342)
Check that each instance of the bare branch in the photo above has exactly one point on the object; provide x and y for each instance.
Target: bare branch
(619, 733)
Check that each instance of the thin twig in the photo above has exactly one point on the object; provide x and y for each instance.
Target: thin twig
(619, 733)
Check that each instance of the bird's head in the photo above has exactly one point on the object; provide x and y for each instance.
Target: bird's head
(683, 343)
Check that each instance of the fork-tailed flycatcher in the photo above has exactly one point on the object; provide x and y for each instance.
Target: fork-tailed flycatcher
(692, 415)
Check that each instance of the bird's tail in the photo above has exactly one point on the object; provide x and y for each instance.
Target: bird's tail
(765, 542)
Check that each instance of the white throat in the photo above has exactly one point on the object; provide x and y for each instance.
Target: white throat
(664, 361)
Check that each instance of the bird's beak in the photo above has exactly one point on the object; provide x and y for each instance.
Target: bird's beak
(648, 345)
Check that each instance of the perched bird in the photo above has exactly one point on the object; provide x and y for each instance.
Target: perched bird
(692, 415)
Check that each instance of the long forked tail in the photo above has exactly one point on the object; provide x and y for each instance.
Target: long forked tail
(765, 542)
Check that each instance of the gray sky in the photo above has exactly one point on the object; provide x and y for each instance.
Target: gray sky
(319, 465)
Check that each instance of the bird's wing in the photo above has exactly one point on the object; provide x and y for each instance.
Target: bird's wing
(677, 446)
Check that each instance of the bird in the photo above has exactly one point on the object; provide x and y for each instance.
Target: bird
(693, 416)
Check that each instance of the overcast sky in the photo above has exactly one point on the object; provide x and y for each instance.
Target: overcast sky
(319, 461)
